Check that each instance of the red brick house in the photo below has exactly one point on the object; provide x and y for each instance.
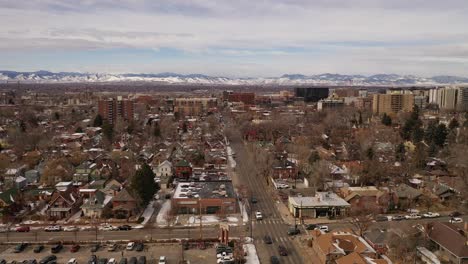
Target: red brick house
(64, 204)
(183, 170)
(368, 198)
(124, 205)
(285, 170)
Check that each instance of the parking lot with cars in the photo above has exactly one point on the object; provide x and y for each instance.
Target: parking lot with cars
(109, 253)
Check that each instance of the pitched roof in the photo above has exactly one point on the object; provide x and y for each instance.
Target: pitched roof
(405, 191)
(353, 258)
(450, 237)
(8, 196)
(124, 196)
(183, 163)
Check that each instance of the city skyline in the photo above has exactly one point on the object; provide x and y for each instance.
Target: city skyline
(238, 39)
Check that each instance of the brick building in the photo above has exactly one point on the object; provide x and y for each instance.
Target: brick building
(111, 109)
(216, 197)
(246, 98)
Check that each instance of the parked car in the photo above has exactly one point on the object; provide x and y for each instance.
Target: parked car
(20, 247)
(132, 260)
(72, 261)
(139, 247)
(47, 259)
(162, 260)
(102, 261)
(123, 261)
(293, 231)
(431, 215)
(111, 261)
(310, 227)
(397, 217)
(23, 229)
(108, 228)
(92, 259)
(258, 215)
(112, 247)
(125, 227)
(70, 228)
(381, 218)
(274, 260)
(323, 228)
(455, 214)
(282, 250)
(38, 248)
(95, 247)
(56, 249)
(413, 216)
(130, 246)
(54, 228)
(142, 260)
(75, 248)
(455, 220)
(267, 240)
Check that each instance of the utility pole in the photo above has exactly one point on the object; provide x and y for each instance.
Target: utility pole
(201, 224)
(251, 220)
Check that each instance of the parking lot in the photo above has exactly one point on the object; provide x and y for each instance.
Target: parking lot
(152, 252)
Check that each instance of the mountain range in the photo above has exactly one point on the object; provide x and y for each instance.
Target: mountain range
(174, 78)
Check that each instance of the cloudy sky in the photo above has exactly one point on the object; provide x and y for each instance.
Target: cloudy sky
(236, 37)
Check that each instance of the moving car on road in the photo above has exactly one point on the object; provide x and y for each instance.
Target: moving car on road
(274, 260)
(258, 215)
(54, 228)
(23, 229)
(267, 240)
(282, 250)
(431, 215)
(455, 220)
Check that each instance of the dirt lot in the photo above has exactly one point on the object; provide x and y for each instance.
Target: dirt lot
(152, 252)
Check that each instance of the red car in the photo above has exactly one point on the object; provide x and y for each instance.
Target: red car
(75, 248)
(23, 229)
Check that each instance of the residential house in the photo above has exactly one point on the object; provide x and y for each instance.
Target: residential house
(21, 182)
(450, 240)
(83, 172)
(9, 197)
(95, 205)
(164, 169)
(183, 170)
(285, 169)
(64, 204)
(124, 205)
(32, 176)
(368, 198)
(407, 196)
(378, 240)
(343, 247)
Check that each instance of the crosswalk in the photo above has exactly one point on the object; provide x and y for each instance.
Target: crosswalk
(267, 222)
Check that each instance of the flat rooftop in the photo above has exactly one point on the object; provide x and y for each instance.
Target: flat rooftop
(204, 190)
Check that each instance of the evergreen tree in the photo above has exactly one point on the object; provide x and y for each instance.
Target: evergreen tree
(370, 153)
(360, 118)
(418, 134)
(79, 130)
(98, 121)
(108, 131)
(144, 185)
(184, 127)
(440, 135)
(400, 152)
(453, 124)
(430, 132)
(432, 151)
(22, 126)
(157, 131)
(386, 120)
(56, 115)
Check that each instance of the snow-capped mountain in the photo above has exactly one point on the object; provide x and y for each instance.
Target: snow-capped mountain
(174, 78)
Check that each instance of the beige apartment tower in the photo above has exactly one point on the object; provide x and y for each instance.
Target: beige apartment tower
(392, 103)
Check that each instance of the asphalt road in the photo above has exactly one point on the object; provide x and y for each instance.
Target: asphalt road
(136, 234)
(272, 223)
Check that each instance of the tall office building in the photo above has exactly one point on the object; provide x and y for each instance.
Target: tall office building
(450, 98)
(112, 109)
(312, 94)
(392, 103)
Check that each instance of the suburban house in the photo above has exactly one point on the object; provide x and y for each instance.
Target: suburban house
(83, 172)
(367, 198)
(344, 247)
(450, 240)
(323, 204)
(32, 176)
(64, 204)
(124, 205)
(378, 240)
(285, 169)
(164, 169)
(94, 206)
(407, 195)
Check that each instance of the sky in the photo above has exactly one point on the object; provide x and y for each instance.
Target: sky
(236, 38)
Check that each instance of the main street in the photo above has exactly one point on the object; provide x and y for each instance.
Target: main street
(272, 223)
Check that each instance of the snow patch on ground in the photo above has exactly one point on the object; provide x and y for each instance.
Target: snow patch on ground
(206, 220)
(161, 218)
(232, 219)
(252, 257)
(149, 210)
(231, 160)
(245, 216)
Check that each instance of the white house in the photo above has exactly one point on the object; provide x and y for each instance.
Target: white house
(164, 169)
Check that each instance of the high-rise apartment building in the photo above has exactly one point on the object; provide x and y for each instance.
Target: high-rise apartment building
(112, 109)
(392, 103)
(312, 94)
(450, 98)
